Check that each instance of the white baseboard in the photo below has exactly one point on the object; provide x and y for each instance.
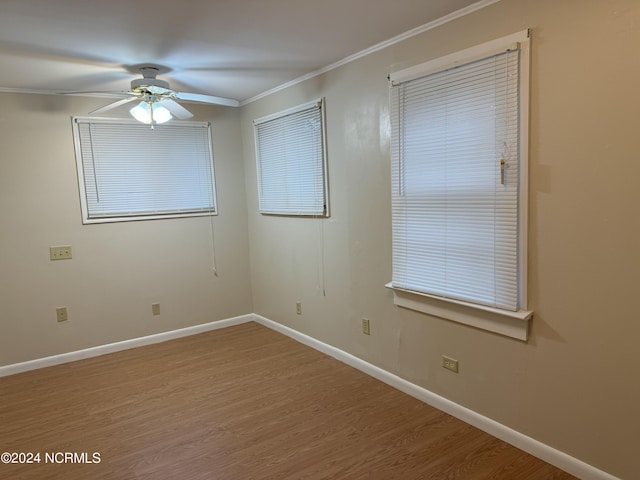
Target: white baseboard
(538, 449)
(119, 346)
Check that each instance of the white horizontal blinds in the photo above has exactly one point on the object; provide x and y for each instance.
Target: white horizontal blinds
(455, 182)
(132, 170)
(291, 164)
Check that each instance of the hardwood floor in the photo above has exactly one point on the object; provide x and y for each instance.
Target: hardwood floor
(239, 403)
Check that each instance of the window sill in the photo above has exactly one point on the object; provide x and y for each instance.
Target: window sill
(504, 322)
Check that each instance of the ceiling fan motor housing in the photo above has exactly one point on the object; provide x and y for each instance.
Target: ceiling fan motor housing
(149, 80)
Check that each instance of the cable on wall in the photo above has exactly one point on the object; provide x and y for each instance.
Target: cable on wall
(321, 257)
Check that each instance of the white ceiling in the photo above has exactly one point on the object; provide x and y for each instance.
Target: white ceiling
(230, 48)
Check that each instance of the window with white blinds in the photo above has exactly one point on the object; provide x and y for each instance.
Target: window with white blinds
(129, 171)
(291, 161)
(458, 179)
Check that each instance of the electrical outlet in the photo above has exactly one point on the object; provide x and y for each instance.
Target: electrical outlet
(62, 252)
(299, 308)
(155, 308)
(61, 314)
(450, 363)
(366, 326)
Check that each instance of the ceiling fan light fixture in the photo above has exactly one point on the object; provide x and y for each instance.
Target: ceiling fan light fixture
(151, 113)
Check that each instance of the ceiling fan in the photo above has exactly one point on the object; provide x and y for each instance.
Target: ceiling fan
(157, 101)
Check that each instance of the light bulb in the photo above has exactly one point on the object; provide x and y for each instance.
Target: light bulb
(160, 113)
(142, 112)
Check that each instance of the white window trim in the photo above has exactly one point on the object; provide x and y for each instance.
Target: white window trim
(504, 322)
(305, 106)
(87, 220)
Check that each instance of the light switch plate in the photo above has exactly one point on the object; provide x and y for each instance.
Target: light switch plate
(61, 252)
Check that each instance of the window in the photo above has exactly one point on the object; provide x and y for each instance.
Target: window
(129, 171)
(459, 162)
(291, 161)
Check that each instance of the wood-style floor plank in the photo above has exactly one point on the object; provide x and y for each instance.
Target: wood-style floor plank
(239, 403)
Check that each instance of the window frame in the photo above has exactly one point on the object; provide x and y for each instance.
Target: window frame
(307, 106)
(513, 324)
(89, 218)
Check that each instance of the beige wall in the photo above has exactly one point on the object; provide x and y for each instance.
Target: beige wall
(118, 270)
(574, 385)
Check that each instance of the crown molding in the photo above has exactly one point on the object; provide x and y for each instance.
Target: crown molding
(379, 46)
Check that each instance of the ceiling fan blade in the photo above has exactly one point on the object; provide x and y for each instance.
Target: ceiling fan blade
(98, 94)
(113, 105)
(197, 97)
(176, 109)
